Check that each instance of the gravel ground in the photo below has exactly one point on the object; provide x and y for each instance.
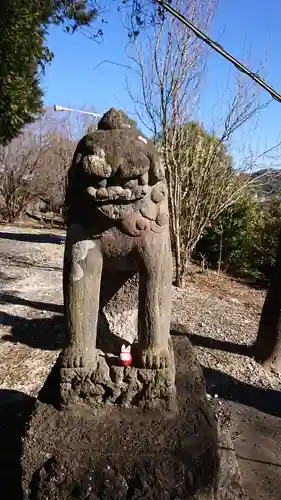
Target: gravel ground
(220, 315)
(31, 292)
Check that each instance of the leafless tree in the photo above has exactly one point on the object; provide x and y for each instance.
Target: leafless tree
(21, 179)
(35, 164)
(70, 128)
(201, 179)
(55, 163)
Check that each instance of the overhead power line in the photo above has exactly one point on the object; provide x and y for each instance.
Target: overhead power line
(218, 48)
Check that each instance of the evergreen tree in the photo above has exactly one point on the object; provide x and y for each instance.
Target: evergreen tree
(24, 52)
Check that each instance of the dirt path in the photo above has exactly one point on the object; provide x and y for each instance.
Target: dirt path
(31, 293)
(221, 315)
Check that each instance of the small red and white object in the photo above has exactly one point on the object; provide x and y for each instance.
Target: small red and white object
(125, 355)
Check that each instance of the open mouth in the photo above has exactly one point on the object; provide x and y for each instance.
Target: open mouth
(127, 193)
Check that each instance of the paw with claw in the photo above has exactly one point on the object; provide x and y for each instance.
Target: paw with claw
(73, 357)
(155, 357)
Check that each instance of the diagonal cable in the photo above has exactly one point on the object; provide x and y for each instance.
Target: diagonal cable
(218, 48)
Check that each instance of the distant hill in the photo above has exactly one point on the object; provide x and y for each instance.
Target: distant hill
(270, 186)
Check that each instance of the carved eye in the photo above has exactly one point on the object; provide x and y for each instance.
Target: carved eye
(96, 164)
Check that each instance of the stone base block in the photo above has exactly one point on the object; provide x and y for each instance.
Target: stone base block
(126, 453)
(120, 453)
(229, 484)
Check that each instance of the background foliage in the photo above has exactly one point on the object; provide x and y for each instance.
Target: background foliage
(24, 53)
(243, 240)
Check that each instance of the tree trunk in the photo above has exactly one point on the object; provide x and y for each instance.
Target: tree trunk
(11, 217)
(179, 274)
(267, 348)
(178, 281)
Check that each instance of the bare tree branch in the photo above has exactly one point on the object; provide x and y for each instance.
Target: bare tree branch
(202, 180)
(35, 164)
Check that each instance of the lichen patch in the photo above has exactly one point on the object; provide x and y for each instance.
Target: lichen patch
(140, 138)
(79, 253)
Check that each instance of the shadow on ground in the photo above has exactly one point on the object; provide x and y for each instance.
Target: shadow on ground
(221, 345)
(33, 238)
(15, 409)
(227, 387)
(6, 298)
(210, 343)
(50, 333)
(257, 444)
(20, 261)
(40, 333)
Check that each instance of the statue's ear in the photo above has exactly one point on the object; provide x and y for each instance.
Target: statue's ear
(123, 348)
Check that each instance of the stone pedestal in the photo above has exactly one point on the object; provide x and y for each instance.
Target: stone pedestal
(126, 453)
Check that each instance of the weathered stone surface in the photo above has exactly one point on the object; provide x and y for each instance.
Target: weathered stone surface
(112, 384)
(229, 484)
(121, 433)
(124, 453)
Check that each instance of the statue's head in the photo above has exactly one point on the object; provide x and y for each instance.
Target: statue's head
(115, 119)
(117, 165)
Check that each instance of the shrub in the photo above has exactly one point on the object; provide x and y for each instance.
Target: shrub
(243, 240)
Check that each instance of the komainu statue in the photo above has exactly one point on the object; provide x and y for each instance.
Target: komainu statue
(129, 431)
(117, 218)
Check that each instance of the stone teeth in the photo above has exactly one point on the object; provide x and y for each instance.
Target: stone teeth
(92, 191)
(102, 193)
(127, 193)
(102, 183)
(132, 183)
(117, 193)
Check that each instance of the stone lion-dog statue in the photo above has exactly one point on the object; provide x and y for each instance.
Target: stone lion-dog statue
(117, 217)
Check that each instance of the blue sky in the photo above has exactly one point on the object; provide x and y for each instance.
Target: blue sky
(245, 28)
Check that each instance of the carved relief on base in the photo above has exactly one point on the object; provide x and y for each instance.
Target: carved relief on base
(113, 384)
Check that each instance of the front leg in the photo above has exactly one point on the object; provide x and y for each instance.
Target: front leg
(155, 299)
(82, 277)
